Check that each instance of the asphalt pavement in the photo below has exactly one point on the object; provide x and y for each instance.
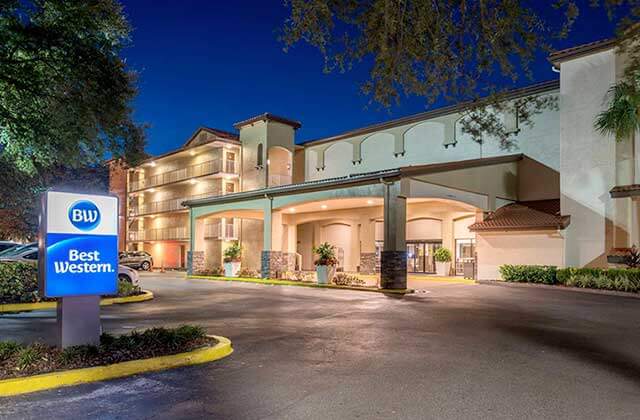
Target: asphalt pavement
(449, 351)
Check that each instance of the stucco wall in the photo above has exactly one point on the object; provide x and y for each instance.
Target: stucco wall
(496, 249)
(423, 144)
(587, 170)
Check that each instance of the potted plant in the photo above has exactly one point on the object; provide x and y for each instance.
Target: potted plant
(443, 261)
(232, 260)
(326, 262)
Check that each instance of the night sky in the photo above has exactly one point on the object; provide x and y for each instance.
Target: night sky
(213, 63)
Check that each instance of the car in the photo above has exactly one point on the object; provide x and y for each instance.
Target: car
(29, 254)
(140, 260)
(7, 244)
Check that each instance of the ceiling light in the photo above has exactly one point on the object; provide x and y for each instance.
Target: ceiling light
(292, 210)
(193, 181)
(152, 163)
(323, 207)
(152, 190)
(192, 153)
(369, 202)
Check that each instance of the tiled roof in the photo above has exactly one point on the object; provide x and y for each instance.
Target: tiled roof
(625, 190)
(584, 49)
(222, 133)
(524, 215)
(269, 117)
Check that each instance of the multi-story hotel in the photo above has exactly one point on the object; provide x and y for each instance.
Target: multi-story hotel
(388, 195)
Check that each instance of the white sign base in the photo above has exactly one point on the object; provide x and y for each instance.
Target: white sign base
(78, 321)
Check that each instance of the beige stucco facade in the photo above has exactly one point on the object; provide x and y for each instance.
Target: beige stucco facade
(401, 189)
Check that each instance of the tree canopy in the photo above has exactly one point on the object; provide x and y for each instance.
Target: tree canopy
(65, 92)
(449, 50)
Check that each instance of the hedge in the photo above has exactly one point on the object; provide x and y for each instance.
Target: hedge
(529, 273)
(619, 279)
(18, 283)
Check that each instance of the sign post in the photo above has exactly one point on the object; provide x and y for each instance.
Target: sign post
(78, 260)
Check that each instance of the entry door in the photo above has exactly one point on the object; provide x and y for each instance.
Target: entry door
(420, 257)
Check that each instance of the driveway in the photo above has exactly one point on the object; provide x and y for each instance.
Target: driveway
(449, 351)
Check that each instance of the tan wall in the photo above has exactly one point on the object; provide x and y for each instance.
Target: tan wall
(166, 254)
(251, 240)
(496, 249)
(537, 181)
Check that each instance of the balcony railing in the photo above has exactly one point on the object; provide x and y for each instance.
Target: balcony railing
(172, 204)
(218, 230)
(192, 171)
(161, 234)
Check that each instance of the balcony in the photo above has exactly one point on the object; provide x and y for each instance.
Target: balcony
(169, 205)
(162, 234)
(193, 171)
(219, 230)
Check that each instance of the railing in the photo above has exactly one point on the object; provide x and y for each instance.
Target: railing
(161, 234)
(218, 230)
(192, 171)
(172, 204)
(276, 179)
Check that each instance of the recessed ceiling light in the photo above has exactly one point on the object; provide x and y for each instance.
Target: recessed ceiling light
(193, 181)
(369, 202)
(324, 206)
(152, 190)
(192, 153)
(292, 210)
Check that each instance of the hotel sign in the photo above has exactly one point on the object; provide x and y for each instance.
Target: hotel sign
(78, 244)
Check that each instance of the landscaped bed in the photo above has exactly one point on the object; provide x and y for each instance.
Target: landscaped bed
(17, 360)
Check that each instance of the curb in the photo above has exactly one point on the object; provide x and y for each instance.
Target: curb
(16, 386)
(22, 307)
(564, 288)
(302, 284)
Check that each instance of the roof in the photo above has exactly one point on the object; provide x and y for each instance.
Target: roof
(221, 135)
(524, 215)
(534, 89)
(269, 117)
(581, 50)
(625, 190)
(352, 180)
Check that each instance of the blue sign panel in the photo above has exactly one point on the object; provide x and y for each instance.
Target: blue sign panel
(79, 255)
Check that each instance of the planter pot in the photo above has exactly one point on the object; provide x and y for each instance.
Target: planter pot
(325, 273)
(442, 268)
(231, 269)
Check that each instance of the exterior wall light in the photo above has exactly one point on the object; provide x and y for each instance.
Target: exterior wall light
(152, 163)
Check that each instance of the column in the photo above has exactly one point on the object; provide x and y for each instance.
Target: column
(393, 271)
(271, 261)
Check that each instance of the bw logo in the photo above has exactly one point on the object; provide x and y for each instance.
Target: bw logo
(84, 215)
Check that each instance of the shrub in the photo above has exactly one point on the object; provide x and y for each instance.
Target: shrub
(18, 283)
(233, 253)
(126, 288)
(343, 279)
(442, 255)
(215, 271)
(529, 273)
(326, 254)
(619, 279)
(249, 274)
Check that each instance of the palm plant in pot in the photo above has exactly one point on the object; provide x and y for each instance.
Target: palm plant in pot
(326, 262)
(443, 261)
(232, 260)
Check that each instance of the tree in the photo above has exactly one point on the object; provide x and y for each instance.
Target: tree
(65, 92)
(20, 194)
(445, 50)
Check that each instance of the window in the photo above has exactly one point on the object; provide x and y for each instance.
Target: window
(259, 161)
(465, 253)
(229, 187)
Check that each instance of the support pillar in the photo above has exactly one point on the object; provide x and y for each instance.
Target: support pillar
(393, 271)
(272, 260)
(78, 321)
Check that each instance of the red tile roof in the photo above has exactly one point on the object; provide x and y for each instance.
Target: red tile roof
(579, 50)
(524, 215)
(625, 190)
(269, 117)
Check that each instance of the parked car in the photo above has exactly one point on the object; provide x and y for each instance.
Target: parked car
(140, 260)
(29, 254)
(7, 244)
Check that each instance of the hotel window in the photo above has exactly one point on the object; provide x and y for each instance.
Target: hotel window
(230, 163)
(465, 252)
(259, 160)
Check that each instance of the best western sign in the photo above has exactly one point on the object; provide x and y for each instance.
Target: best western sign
(79, 244)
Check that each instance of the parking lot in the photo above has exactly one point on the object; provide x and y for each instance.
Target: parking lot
(448, 351)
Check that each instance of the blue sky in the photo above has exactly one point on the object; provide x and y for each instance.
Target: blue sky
(213, 63)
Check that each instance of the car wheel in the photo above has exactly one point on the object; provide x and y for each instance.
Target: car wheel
(146, 266)
(124, 277)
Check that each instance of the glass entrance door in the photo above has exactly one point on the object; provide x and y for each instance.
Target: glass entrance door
(420, 257)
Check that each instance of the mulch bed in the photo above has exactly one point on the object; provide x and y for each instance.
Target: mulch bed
(18, 360)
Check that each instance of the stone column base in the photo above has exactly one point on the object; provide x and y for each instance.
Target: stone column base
(368, 262)
(195, 262)
(272, 264)
(393, 270)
